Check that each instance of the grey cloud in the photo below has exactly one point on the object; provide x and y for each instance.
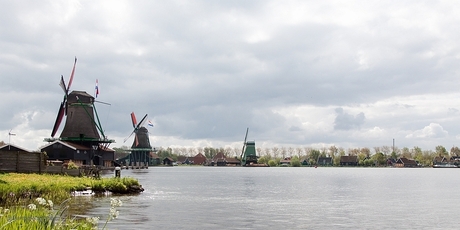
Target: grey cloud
(345, 121)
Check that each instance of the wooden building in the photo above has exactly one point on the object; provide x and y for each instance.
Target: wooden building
(325, 161)
(405, 163)
(79, 154)
(349, 161)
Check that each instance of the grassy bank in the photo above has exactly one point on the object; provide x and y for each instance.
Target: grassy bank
(16, 188)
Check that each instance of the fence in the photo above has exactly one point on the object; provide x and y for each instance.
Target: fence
(22, 162)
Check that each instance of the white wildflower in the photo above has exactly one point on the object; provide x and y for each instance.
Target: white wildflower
(50, 203)
(113, 213)
(92, 220)
(115, 202)
(41, 201)
(32, 206)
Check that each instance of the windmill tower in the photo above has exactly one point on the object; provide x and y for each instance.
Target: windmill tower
(141, 148)
(82, 130)
(248, 153)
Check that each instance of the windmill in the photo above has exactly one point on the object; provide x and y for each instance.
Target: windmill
(82, 127)
(141, 148)
(248, 153)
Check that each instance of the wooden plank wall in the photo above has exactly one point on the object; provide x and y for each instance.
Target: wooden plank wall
(22, 162)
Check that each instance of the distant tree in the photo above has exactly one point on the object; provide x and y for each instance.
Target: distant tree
(333, 151)
(271, 163)
(2, 143)
(260, 151)
(267, 151)
(283, 152)
(299, 151)
(295, 162)
(455, 151)
(192, 152)
(341, 152)
(323, 152)
(307, 151)
(366, 152)
(209, 152)
(379, 159)
(353, 152)
(405, 152)
(229, 152)
(387, 150)
(314, 154)
(290, 151)
(264, 159)
(441, 151)
(275, 151)
(377, 150)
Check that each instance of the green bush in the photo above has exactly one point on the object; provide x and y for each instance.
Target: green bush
(271, 163)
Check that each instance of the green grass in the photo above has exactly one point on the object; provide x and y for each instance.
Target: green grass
(18, 189)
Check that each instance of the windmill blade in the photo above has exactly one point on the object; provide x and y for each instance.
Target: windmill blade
(62, 84)
(71, 74)
(128, 137)
(58, 118)
(133, 119)
(244, 143)
(144, 119)
(136, 140)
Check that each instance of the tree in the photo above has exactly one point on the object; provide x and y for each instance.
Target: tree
(295, 162)
(275, 151)
(441, 151)
(271, 163)
(314, 154)
(406, 153)
(299, 151)
(290, 151)
(455, 151)
(379, 159)
(283, 152)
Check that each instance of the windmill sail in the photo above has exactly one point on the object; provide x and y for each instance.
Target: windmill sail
(63, 107)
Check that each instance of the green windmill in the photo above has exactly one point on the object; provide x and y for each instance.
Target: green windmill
(248, 154)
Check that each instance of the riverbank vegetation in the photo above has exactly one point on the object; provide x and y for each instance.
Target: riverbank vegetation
(17, 188)
(377, 156)
(44, 214)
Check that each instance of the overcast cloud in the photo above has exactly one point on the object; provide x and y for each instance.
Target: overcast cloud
(297, 73)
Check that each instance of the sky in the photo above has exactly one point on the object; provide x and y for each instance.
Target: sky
(352, 74)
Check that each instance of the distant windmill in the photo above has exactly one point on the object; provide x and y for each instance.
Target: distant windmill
(248, 153)
(141, 136)
(140, 150)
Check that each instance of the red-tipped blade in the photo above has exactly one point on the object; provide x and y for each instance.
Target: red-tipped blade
(58, 118)
(133, 119)
(71, 74)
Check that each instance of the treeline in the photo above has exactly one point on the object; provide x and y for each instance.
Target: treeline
(367, 157)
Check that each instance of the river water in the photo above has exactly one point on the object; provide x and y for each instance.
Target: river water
(287, 198)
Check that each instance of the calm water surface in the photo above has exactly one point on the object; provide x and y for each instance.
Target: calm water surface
(287, 198)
